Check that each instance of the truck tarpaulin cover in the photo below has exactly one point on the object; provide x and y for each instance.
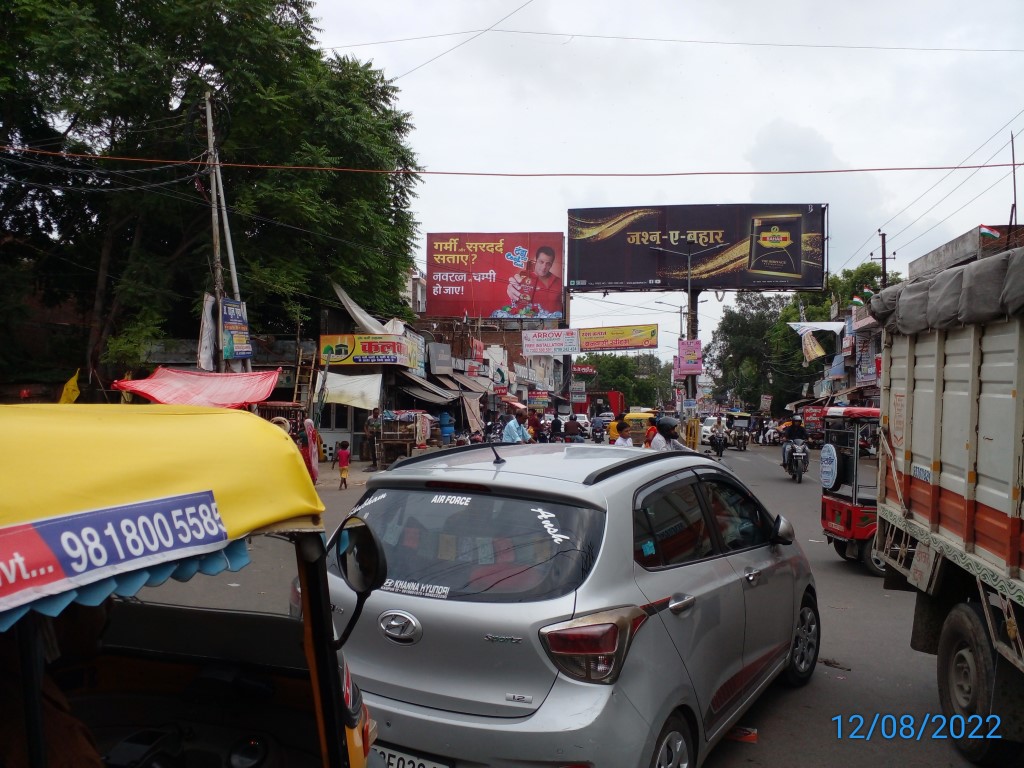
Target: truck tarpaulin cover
(173, 386)
(729, 247)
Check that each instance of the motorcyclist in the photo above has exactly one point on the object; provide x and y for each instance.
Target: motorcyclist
(667, 438)
(718, 428)
(795, 431)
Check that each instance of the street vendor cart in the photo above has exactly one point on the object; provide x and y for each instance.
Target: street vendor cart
(849, 479)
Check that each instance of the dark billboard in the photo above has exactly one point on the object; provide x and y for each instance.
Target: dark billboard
(729, 247)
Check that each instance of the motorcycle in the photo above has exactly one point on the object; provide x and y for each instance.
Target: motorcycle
(597, 433)
(772, 437)
(739, 438)
(718, 444)
(797, 461)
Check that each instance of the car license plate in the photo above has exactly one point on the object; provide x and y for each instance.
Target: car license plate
(395, 759)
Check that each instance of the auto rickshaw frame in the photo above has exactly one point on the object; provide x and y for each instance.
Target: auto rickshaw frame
(180, 490)
(848, 515)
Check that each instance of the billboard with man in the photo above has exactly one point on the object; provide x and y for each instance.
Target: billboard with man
(495, 275)
(728, 247)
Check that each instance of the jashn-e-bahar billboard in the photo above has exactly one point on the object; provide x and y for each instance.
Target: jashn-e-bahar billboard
(495, 275)
(711, 247)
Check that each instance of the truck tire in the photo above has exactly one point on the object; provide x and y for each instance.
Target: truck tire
(872, 559)
(966, 676)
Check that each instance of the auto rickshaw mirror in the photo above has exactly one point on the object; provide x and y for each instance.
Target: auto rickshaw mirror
(360, 556)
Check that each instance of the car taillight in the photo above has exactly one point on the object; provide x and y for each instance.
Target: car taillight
(593, 648)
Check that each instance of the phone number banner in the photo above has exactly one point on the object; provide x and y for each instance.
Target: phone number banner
(58, 554)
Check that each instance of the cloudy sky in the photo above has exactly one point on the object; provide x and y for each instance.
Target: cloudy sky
(725, 87)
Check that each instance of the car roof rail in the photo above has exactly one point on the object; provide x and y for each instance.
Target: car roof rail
(627, 464)
(404, 461)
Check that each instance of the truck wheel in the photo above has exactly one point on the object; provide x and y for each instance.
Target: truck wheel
(806, 642)
(872, 558)
(674, 747)
(966, 675)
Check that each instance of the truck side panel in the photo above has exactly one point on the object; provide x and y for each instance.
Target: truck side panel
(953, 408)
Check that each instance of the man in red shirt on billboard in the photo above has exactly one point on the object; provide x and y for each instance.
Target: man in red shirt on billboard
(542, 286)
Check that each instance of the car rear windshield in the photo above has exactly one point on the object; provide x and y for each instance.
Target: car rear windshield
(478, 547)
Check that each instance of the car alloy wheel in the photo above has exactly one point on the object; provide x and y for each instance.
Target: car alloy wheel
(674, 748)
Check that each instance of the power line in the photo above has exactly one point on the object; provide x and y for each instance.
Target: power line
(680, 41)
(459, 45)
(543, 174)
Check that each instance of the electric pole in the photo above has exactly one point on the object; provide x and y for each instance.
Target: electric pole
(218, 273)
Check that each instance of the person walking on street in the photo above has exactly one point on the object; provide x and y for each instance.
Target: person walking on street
(344, 459)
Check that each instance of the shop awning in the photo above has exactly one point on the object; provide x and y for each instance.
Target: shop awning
(175, 386)
(473, 385)
(358, 391)
(445, 381)
(423, 390)
(849, 390)
(797, 403)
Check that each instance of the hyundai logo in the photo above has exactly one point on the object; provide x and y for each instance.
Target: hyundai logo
(400, 627)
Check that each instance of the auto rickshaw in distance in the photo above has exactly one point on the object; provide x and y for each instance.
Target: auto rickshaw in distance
(738, 425)
(849, 479)
(148, 496)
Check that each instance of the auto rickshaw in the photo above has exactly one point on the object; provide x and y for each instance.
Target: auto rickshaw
(849, 479)
(102, 506)
(738, 425)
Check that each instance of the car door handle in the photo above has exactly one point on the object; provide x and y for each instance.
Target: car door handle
(680, 603)
(751, 575)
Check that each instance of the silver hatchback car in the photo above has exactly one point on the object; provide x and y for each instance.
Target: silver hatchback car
(573, 605)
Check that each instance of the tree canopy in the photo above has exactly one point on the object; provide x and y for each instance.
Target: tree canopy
(104, 193)
(644, 379)
(753, 351)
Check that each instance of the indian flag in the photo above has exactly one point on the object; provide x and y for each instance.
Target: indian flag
(988, 232)
(868, 292)
(857, 301)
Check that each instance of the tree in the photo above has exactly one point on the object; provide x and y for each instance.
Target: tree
(644, 379)
(130, 244)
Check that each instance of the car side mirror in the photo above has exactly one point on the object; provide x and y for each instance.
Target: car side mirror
(782, 531)
(360, 556)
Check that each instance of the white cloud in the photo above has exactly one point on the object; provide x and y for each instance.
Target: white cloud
(573, 104)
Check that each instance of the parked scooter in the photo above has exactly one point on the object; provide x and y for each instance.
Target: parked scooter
(797, 460)
(772, 437)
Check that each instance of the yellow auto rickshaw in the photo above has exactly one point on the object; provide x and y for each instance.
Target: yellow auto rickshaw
(104, 506)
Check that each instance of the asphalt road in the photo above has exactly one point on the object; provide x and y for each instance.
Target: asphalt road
(866, 665)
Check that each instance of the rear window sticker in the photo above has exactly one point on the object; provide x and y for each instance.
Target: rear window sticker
(648, 548)
(415, 588)
(368, 502)
(459, 501)
(549, 521)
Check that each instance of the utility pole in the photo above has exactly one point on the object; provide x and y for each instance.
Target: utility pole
(218, 274)
(884, 272)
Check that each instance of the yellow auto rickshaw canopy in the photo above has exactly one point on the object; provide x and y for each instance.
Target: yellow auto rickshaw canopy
(103, 499)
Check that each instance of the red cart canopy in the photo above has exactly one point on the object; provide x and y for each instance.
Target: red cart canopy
(218, 390)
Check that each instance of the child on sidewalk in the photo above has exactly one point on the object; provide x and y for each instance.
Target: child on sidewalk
(344, 459)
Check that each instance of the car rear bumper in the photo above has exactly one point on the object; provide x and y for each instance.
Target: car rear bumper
(576, 723)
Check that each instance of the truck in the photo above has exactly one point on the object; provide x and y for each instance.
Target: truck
(951, 464)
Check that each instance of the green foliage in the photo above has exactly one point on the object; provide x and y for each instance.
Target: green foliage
(128, 348)
(644, 379)
(754, 352)
(131, 244)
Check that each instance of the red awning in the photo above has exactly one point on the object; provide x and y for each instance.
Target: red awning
(218, 390)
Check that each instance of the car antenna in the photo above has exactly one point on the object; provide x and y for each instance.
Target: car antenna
(497, 458)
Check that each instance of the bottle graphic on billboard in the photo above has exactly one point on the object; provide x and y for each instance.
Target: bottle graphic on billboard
(775, 244)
